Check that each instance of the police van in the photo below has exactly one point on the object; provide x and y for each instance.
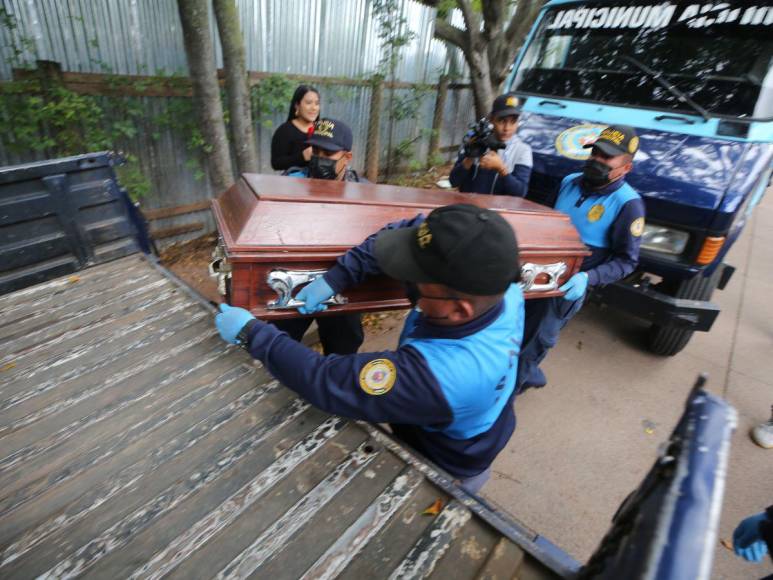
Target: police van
(695, 80)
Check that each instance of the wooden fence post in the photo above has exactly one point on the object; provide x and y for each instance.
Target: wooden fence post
(437, 119)
(373, 150)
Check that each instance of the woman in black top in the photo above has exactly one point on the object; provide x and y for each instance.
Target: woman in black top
(288, 146)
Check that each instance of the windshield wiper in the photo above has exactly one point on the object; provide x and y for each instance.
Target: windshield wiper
(658, 77)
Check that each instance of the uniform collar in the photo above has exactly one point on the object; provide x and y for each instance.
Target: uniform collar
(426, 329)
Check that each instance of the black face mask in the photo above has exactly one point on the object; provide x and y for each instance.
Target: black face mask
(595, 174)
(413, 294)
(322, 168)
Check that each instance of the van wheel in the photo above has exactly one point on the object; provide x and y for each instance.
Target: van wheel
(669, 340)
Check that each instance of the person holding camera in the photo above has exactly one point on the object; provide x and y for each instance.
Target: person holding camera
(493, 158)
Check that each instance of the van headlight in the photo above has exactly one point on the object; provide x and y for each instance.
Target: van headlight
(662, 239)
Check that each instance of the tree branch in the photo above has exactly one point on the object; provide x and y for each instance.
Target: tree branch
(524, 16)
(501, 54)
(471, 21)
(493, 17)
(451, 34)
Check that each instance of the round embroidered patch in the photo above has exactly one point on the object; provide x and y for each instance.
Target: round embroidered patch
(378, 376)
(595, 213)
(633, 145)
(637, 227)
(571, 143)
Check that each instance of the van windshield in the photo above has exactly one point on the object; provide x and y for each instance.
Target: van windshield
(708, 59)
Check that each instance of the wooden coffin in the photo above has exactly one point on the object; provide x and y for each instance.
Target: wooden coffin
(278, 233)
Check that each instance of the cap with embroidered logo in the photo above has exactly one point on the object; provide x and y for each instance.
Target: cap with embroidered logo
(506, 105)
(331, 135)
(616, 140)
(462, 246)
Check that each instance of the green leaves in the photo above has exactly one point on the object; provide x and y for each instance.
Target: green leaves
(271, 96)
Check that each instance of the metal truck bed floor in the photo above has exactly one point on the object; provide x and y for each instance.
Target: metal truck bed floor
(135, 443)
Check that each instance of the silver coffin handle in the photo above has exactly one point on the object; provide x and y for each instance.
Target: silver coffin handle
(221, 271)
(284, 283)
(530, 272)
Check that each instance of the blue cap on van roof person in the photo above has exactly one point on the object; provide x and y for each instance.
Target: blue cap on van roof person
(617, 140)
(331, 135)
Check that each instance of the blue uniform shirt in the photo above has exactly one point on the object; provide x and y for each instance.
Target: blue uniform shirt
(447, 390)
(610, 221)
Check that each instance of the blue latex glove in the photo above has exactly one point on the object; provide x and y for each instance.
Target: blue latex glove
(313, 295)
(575, 288)
(230, 321)
(747, 542)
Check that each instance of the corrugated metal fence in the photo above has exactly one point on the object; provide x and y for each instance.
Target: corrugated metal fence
(330, 38)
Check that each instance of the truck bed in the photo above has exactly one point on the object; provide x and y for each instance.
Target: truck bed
(135, 443)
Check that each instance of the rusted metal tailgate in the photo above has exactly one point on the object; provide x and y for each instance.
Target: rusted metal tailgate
(135, 443)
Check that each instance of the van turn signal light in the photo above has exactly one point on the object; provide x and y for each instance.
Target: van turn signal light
(709, 250)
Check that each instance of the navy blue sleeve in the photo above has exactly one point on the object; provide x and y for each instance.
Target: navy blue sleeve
(515, 183)
(458, 172)
(766, 530)
(336, 383)
(359, 262)
(624, 246)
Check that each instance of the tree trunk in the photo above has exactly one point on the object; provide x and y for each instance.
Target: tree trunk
(231, 40)
(491, 48)
(194, 18)
(483, 92)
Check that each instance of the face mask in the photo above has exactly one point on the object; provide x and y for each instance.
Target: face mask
(595, 173)
(413, 294)
(321, 168)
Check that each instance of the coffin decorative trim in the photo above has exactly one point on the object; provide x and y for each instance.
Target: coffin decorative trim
(284, 283)
(531, 272)
(217, 269)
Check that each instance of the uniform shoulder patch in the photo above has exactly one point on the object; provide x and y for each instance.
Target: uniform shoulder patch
(378, 376)
(595, 213)
(637, 227)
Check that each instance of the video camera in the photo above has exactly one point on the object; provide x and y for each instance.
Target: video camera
(480, 139)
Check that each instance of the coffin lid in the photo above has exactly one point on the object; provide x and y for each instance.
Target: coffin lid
(271, 212)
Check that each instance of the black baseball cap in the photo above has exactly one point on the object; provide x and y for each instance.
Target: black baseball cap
(331, 135)
(617, 140)
(465, 247)
(506, 105)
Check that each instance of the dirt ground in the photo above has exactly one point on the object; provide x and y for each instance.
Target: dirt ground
(189, 261)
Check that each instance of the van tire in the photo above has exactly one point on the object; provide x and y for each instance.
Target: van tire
(669, 340)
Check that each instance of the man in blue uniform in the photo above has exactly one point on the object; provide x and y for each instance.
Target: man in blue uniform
(331, 153)
(609, 216)
(448, 389)
(504, 172)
